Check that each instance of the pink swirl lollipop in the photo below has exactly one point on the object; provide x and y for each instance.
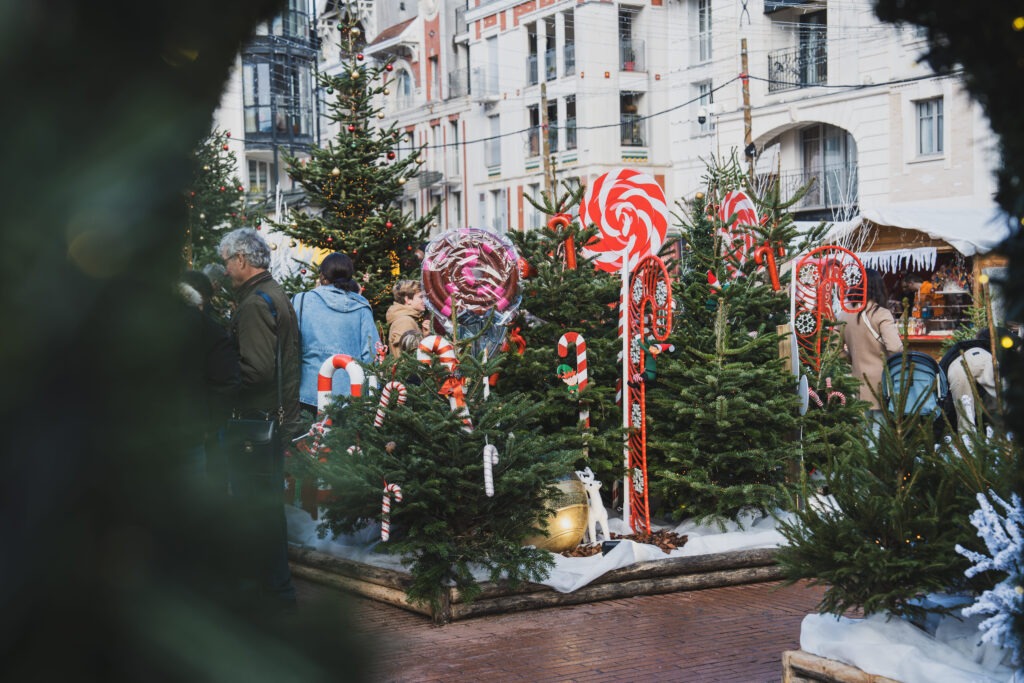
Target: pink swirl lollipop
(629, 209)
(471, 271)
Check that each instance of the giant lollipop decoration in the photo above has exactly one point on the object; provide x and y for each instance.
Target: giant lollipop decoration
(737, 237)
(473, 274)
(630, 211)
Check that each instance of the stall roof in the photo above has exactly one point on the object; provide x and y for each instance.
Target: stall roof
(968, 230)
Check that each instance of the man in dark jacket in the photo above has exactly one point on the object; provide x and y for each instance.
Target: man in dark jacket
(264, 321)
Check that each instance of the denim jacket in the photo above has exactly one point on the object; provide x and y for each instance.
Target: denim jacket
(332, 321)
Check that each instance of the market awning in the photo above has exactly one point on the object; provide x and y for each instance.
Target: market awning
(969, 230)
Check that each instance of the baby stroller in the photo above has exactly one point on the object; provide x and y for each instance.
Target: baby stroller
(926, 387)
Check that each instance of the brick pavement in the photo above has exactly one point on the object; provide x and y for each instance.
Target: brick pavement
(734, 634)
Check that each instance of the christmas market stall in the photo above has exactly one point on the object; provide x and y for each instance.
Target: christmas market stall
(932, 258)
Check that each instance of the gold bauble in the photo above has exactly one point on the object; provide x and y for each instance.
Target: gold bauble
(355, 75)
(699, 196)
(567, 521)
(387, 91)
(355, 31)
(335, 171)
(401, 181)
(273, 247)
(380, 115)
(202, 216)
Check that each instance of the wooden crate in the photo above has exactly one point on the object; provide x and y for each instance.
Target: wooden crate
(803, 667)
(643, 578)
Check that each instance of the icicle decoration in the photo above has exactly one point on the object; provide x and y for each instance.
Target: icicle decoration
(894, 260)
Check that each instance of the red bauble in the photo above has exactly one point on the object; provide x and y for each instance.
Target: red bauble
(225, 148)
(391, 155)
(389, 68)
(192, 194)
(359, 56)
(351, 128)
(227, 134)
(389, 224)
(234, 215)
(222, 188)
(241, 188)
(259, 227)
(330, 239)
(303, 271)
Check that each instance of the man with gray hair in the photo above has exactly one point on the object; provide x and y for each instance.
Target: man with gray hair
(262, 323)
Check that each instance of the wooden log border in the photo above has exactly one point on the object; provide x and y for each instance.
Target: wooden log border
(803, 667)
(643, 578)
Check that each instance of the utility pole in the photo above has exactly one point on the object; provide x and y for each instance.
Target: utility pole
(748, 126)
(545, 143)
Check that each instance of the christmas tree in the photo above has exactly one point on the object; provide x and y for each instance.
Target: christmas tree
(581, 303)
(722, 425)
(354, 184)
(897, 512)
(216, 199)
(454, 506)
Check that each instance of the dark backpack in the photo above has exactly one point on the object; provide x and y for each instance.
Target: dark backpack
(927, 386)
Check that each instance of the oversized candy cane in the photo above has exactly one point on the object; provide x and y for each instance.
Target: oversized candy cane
(436, 344)
(581, 365)
(824, 278)
(385, 521)
(558, 223)
(452, 388)
(385, 398)
(765, 255)
(341, 361)
(490, 459)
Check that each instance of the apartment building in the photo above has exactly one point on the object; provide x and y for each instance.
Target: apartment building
(512, 97)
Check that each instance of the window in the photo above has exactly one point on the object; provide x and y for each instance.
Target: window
(631, 51)
(500, 212)
(550, 63)
(531, 54)
(632, 133)
(705, 102)
(259, 177)
(570, 122)
(455, 210)
(453, 152)
(403, 90)
(533, 133)
(553, 126)
(703, 30)
(435, 78)
(492, 152)
(829, 166)
(929, 127)
(277, 96)
(569, 50)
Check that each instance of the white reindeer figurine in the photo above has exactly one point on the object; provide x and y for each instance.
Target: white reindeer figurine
(595, 512)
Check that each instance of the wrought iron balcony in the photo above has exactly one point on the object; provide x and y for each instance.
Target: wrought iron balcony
(531, 70)
(772, 6)
(550, 65)
(829, 186)
(631, 55)
(799, 68)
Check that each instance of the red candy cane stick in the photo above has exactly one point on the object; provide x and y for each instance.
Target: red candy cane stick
(561, 222)
(581, 365)
(339, 361)
(385, 521)
(452, 388)
(765, 255)
(436, 344)
(385, 398)
(490, 459)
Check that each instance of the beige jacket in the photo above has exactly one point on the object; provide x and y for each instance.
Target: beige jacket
(868, 350)
(401, 318)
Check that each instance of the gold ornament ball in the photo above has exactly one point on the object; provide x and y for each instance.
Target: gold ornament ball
(273, 247)
(387, 91)
(1006, 342)
(355, 75)
(567, 520)
(390, 446)
(206, 168)
(202, 216)
(293, 225)
(420, 160)
(401, 181)
(983, 278)
(335, 171)
(699, 196)
(355, 31)
(380, 115)
(292, 243)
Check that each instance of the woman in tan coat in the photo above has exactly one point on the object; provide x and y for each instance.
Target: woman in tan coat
(870, 337)
(406, 320)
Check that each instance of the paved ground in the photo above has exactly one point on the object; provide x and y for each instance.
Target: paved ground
(722, 635)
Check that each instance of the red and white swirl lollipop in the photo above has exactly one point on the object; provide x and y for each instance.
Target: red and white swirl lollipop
(737, 237)
(629, 209)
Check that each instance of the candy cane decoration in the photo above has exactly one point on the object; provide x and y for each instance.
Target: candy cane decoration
(838, 395)
(821, 278)
(339, 361)
(813, 396)
(737, 238)
(650, 300)
(561, 222)
(385, 522)
(452, 388)
(490, 459)
(581, 380)
(765, 255)
(385, 398)
(435, 344)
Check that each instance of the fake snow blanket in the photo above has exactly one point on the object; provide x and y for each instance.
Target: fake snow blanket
(896, 649)
(569, 573)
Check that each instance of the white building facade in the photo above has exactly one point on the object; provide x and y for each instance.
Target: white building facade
(514, 97)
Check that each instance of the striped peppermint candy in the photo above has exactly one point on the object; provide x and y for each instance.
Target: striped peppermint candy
(385, 397)
(630, 211)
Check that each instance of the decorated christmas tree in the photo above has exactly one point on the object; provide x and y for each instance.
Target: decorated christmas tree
(216, 199)
(898, 508)
(355, 182)
(722, 425)
(573, 383)
(456, 478)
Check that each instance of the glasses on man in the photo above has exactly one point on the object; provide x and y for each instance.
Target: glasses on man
(226, 260)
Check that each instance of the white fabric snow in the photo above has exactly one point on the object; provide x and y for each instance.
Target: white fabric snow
(901, 651)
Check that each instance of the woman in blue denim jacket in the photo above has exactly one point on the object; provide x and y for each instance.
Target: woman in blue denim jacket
(333, 318)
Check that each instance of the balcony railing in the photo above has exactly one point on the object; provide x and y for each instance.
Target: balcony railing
(631, 55)
(550, 65)
(533, 141)
(799, 68)
(570, 133)
(633, 130)
(291, 24)
(458, 83)
(531, 70)
(830, 186)
(569, 56)
(483, 85)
